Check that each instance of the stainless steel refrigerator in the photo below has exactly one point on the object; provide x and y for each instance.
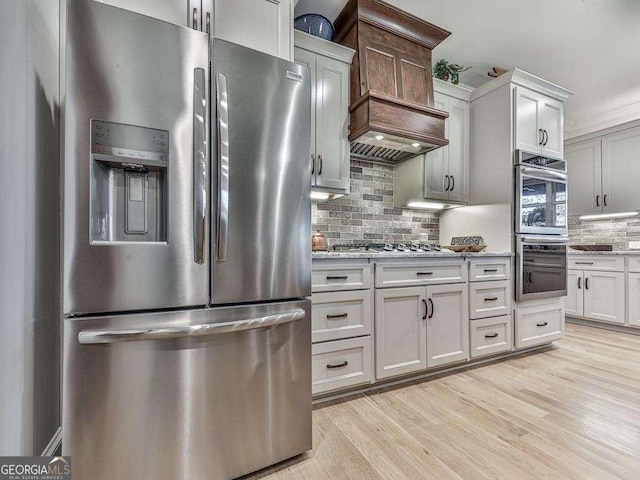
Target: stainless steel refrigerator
(187, 343)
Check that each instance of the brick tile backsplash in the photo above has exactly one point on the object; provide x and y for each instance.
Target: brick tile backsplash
(618, 232)
(368, 214)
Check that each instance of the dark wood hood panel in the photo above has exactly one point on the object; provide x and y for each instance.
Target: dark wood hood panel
(391, 89)
(385, 115)
(387, 17)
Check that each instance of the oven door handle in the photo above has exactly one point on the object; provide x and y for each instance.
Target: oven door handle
(545, 239)
(543, 174)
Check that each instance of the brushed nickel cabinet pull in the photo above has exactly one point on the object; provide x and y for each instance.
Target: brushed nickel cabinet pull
(337, 365)
(341, 315)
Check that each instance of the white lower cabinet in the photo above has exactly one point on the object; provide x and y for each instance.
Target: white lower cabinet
(337, 315)
(491, 335)
(596, 295)
(539, 324)
(400, 331)
(341, 364)
(420, 327)
(447, 324)
(633, 296)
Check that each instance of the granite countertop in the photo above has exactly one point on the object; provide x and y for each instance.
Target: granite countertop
(317, 255)
(600, 252)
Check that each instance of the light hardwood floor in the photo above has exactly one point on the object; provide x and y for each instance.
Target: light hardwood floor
(569, 412)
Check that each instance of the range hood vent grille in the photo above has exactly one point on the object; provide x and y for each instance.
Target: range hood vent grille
(389, 149)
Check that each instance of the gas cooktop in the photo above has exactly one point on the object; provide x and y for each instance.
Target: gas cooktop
(384, 247)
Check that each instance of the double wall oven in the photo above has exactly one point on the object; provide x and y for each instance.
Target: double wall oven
(540, 227)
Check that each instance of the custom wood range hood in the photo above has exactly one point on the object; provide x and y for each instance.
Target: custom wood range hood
(392, 114)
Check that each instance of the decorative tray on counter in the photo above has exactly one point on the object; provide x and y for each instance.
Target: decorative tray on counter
(592, 248)
(466, 244)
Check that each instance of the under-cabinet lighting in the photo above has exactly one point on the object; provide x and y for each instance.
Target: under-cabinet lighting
(604, 216)
(417, 145)
(319, 196)
(427, 205)
(379, 137)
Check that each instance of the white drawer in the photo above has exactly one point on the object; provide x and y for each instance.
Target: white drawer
(633, 264)
(331, 278)
(491, 335)
(481, 270)
(539, 324)
(409, 274)
(489, 299)
(612, 263)
(341, 364)
(340, 315)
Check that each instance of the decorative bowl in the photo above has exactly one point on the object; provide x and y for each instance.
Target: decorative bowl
(314, 24)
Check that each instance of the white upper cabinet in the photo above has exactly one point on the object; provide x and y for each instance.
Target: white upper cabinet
(447, 168)
(539, 123)
(584, 168)
(603, 173)
(621, 171)
(263, 25)
(442, 174)
(330, 64)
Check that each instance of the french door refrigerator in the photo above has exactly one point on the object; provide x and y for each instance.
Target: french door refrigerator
(187, 337)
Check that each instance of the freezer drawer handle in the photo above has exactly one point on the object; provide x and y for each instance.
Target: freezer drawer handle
(200, 166)
(342, 315)
(337, 365)
(92, 337)
(222, 100)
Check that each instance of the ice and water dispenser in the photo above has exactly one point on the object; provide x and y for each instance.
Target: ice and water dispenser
(129, 190)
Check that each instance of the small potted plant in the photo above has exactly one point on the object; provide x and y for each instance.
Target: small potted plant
(446, 71)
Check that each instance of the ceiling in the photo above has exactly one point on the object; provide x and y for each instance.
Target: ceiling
(587, 46)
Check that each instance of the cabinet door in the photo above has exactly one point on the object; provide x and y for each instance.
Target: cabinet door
(620, 171)
(436, 162)
(633, 296)
(308, 59)
(401, 331)
(527, 129)
(332, 124)
(458, 149)
(604, 296)
(447, 324)
(584, 168)
(264, 25)
(179, 12)
(573, 302)
(552, 122)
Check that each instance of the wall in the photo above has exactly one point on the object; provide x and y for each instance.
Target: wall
(29, 225)
(617, 232)
(368, 214)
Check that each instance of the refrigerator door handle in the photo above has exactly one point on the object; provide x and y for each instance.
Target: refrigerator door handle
(199, 164)
(223, 165)
(94, 337)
